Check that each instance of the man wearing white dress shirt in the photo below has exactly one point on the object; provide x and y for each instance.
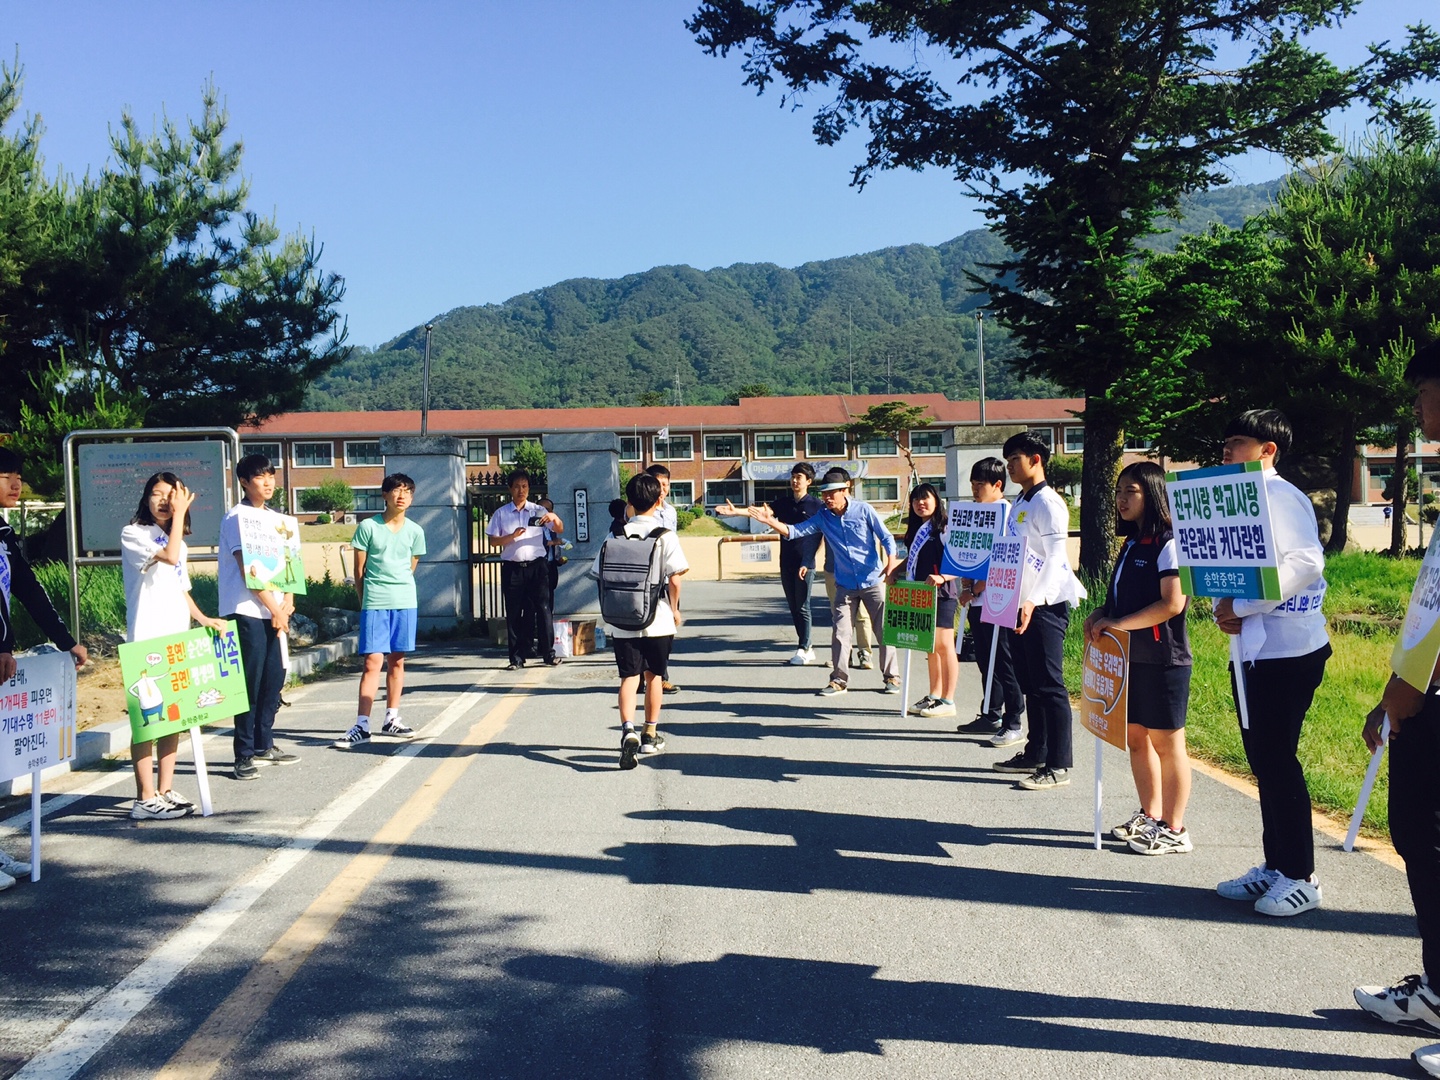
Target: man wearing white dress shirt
(518, 529)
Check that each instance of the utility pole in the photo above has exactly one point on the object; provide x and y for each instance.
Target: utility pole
(980, 354)
(425, 385)
(678, 400)
(889, 369)
(851, 312)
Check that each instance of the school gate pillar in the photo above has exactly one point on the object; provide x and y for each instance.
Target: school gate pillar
(966, 445)
(582, 473)
(442, 580)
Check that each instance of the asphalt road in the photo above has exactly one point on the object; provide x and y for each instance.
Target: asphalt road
(797, 887)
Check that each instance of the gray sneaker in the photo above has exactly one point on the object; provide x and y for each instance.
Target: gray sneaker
(1157, 838)
(13, 867)
(892, 686)
(276, 756)
(1132, 826)
(1007, 737)
(831, 688)
(863, 660)
(1043, 779)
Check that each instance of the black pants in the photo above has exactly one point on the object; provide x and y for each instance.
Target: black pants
(1278, 693)
(1415, 822)
(797, 595)
(1005, 690)
(264, 679)
(526, 589)
(1039, 656)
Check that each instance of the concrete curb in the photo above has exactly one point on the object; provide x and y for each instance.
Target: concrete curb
(107, 740)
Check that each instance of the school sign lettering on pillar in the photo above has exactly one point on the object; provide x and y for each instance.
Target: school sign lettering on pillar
(1224, 539)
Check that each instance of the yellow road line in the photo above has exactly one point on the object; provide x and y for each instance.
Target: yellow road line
(219, 1034)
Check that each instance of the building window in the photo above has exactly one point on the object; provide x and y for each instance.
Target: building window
(363, 453)
(675, 448)
(1139, 446)
(937, 482)
(724, 446)
(509, 446)
(926, 442)
(774, 445)
(880, 446)
(477, 451)
(717, 491)
(314, 455)
(369, 500)
(270, 449)
(1380, 475)
(882, 490)
(682, 492)
(825, 444)
(1046, 435)
(767, 491)
(629, 447)
(1074, 440)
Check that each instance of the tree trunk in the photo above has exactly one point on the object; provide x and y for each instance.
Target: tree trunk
(1103, 448)
(1399, 490)
(1344, 488)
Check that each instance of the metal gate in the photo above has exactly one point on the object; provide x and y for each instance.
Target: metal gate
(486, 492)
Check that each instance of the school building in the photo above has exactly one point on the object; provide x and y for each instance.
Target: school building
(742, 452)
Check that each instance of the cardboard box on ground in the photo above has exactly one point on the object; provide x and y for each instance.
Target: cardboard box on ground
(575, 637)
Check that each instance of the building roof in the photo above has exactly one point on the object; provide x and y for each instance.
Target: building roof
(820, 410)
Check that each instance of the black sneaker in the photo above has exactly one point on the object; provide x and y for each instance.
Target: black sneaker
(245, 769)
(981, 725)
(276, 756)
(652, 744)
(629, 748)
(1019, 764)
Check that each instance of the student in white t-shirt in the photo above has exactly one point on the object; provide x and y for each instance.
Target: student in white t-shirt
(158, 603)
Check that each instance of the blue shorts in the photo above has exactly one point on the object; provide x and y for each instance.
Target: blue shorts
(387, 630)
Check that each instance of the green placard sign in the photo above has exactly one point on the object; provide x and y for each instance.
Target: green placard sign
(174, 682)
(910, 616)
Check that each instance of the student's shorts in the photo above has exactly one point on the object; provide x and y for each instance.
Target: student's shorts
(945, 611)
(387, 630)
(1158, 696)
(635, 655)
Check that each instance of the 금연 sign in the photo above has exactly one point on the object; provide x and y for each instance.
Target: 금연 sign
(37, 714)
(1105, 691)
(270, 548)
(1012, 572)
(1224, 539)
(970, 533)
(1418, 646)
(910, 616)
(179, 681)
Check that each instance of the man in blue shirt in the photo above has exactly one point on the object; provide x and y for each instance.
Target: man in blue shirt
(851, 529)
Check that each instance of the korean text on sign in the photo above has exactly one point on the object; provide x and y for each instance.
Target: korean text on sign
(37, 714)
(970, 533)
(178, 681)
(1223, 535)
(910, 616)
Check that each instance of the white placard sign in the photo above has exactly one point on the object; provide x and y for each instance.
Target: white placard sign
(1224, 538)
(755, 552)
(1013, 569)
(112, 476)
(37, 714)
(970, 531)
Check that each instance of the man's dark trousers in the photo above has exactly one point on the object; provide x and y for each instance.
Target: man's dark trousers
(526, 588)
(1039, 655)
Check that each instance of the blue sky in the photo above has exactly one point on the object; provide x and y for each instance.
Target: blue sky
(452, 153)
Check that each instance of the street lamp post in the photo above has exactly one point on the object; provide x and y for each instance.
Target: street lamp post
(980, 357)
(425, 385)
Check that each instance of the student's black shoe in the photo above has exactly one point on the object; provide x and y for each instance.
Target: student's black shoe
(629, 748)
(1019, 764)
(554, 661)
(245, 769)
(668, 687)
(981, 725)
(515, 665)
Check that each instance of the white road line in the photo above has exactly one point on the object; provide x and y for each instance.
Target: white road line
(84, 1037)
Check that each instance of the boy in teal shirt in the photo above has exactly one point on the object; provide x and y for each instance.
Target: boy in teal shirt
(387, 549)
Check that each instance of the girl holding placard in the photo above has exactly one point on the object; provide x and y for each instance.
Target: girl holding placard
(1145, 599)
(158, 603)
(925, 544)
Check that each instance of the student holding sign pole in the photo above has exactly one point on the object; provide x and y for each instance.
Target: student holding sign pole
(1412, 707)
(1145, 599)
(158, 603)
(925, 546)
(18, 581)
(1282, 649)
(1042, 517)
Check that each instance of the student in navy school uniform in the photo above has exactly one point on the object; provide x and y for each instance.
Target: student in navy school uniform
(1144, 598)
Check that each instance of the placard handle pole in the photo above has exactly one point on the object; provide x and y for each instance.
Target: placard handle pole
(905, 686)
(1099, 773)
(35, 825)
(1367, 787)
(202, 775)
(990, 671)
(1238, 666)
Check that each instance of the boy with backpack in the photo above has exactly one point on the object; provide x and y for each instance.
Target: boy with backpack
(639, 567)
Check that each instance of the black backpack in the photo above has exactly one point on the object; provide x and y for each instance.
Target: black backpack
(630, 582)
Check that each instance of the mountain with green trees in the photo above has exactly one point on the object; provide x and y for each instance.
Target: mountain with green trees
(905, 314)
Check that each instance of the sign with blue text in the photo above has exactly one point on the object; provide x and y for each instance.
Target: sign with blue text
(970, 532)
(1224, 538)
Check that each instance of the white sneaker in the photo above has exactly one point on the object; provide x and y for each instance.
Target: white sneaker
(798, 659)
(938, 708)
(809, 656)
(12, 866)
(6, 881)
(1428, 1058)
(1409, 1003)
(156, 809)
(1251, 885)
(1290, 897)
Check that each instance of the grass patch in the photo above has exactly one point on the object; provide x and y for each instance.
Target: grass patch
(1364, 604)
(329, 534)
(708, 526)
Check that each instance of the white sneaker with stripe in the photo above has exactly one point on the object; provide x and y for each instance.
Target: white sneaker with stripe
(1290, 897)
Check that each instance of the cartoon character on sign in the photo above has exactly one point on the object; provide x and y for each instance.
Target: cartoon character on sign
(287, 534)
(147, 691)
